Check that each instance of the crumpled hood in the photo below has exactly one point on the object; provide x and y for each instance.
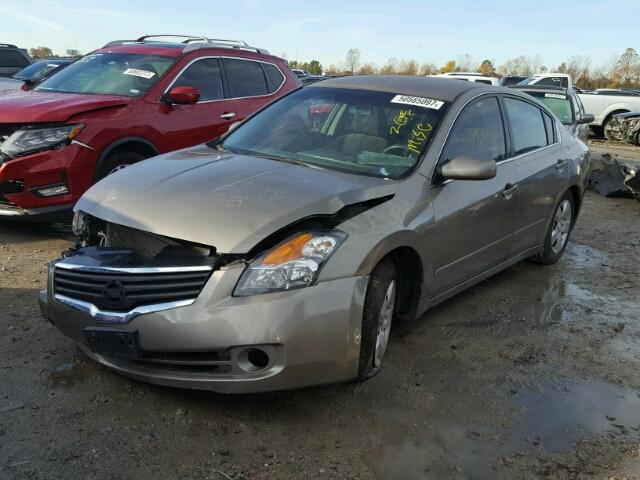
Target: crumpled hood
(227, 201)
(37, 107)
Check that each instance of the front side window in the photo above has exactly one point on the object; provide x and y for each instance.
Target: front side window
(205, 76)
(125, 74)
(527, 126)
(358, 131)
(246, 78)
(477, 133)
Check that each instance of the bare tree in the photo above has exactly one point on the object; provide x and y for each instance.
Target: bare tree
(627, 68)
(427, 69)
(391, 68)
(466, 63)
(353, 60)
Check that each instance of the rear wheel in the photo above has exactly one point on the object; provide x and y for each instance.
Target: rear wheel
(379, 310)
(117, 161)
(559, 231)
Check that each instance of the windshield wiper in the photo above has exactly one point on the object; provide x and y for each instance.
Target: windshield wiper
(284, 159)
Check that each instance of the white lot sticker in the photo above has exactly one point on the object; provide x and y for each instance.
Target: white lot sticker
(555, 95)
(139, 73)
(418, 101)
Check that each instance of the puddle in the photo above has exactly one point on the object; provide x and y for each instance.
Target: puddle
(563, 415)
(552, 421)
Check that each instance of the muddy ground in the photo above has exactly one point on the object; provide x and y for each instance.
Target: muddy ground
(535, 373)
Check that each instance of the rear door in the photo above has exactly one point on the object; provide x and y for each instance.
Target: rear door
(540, 164)
(252, 84)
(188, 125)
(474, 219)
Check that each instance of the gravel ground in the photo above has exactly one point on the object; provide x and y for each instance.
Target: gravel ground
(534, 373)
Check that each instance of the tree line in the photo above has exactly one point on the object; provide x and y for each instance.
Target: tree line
(622, 72)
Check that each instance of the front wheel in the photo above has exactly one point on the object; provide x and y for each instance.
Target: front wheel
(117, 161)
(559, 231)
(379, 310)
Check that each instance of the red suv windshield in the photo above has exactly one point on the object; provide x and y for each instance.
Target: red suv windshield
(125, 74)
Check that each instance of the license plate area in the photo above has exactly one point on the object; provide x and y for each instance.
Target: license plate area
(112, 342)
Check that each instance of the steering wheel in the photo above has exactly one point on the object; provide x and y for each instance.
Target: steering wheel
(404, 151)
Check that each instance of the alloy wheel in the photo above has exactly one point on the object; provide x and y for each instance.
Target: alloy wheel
(561, 226)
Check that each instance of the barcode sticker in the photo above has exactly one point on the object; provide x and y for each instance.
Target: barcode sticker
(418, 101)
(139, 73)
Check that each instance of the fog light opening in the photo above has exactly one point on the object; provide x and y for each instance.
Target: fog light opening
(258, 358)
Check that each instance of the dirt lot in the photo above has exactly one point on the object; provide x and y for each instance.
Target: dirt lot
(534, 373)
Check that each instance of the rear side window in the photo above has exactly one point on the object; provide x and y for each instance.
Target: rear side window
(11, 58)
(246, 78)
(477, 133)
(527, 126)
(486, 82)
(274, 77)
(205, 76)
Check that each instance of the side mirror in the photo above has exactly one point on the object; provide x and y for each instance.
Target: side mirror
(467, 168)
(183, 95)
(586, 118)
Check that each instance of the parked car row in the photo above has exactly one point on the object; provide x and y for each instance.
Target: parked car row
(29, 77)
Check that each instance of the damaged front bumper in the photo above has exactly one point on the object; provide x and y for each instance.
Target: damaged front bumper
(214, 341)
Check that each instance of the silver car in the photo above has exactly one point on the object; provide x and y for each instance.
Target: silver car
(279, 255)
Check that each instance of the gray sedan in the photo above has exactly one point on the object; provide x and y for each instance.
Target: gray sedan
(280, 255)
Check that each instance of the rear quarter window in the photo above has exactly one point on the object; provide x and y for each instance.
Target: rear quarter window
(275, 79)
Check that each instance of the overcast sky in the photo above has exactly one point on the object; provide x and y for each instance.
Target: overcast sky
(326, 29)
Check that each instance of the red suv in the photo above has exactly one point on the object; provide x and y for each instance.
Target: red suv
(123, 103)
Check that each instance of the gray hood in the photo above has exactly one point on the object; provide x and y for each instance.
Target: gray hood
(227, 201)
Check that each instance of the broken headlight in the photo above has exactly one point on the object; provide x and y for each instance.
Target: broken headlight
(294, 263)
(28, 140)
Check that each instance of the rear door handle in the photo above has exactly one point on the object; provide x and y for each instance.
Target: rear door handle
(228, 115)
(509, 190)
(560, 164)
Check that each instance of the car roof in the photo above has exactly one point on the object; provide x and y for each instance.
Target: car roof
(446, 89)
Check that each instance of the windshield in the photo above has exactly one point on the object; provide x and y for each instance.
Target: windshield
(110, 74)
(558, 103)
(36, 71)
(358, 131)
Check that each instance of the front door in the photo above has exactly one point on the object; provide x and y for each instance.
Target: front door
(209, 118)
(474, 219)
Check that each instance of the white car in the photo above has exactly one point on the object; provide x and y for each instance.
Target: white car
(604, 107)
(470, 77)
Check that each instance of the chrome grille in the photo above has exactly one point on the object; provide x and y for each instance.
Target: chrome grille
(122, 290)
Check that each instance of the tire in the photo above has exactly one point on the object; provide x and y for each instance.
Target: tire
(606, 131)
(380, 307)
(117, 161)
(559, 231)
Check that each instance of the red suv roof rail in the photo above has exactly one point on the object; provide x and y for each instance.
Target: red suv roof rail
(194, 42)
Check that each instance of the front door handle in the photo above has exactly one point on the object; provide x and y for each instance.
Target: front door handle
(228, 115)
(560, 164)
(509, 190)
